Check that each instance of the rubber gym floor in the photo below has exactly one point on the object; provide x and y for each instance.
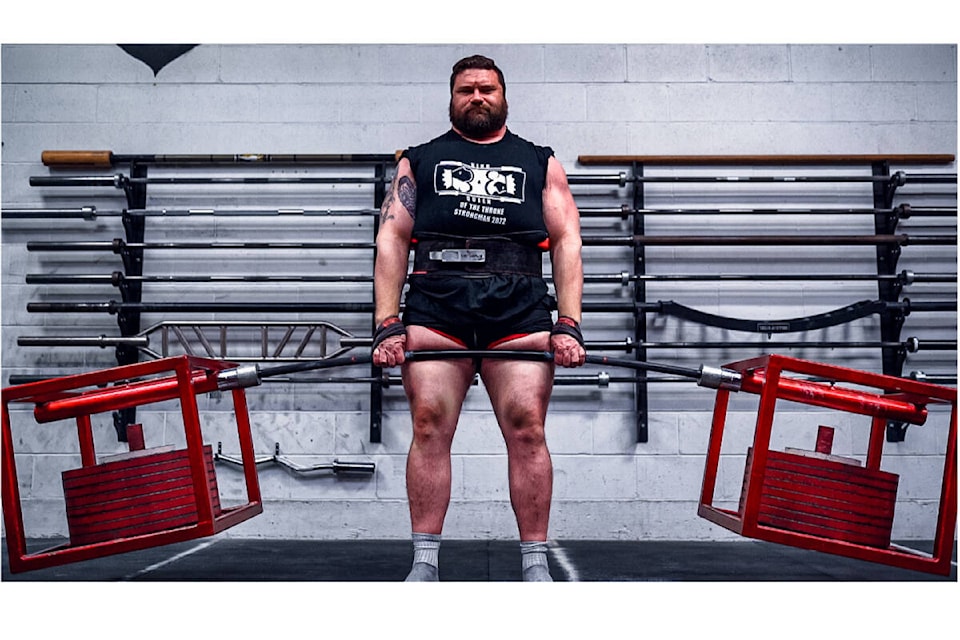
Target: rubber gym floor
(226, 559)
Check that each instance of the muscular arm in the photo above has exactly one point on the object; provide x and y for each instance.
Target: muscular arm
(563, 225)
(393, 248)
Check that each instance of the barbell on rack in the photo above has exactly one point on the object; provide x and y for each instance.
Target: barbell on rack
(121, 181)
(338, 467)
(117, 278)
(106, 158)
(119, 246)
(90, 212)
(903, 211)
(668, 307)
(770, 240)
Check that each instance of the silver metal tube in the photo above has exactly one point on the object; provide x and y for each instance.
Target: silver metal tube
(719, 378)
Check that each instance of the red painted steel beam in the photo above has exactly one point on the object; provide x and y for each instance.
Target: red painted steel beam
(118, 397)
(839, 398)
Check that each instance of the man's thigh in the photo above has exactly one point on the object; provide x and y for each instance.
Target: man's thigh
(435, 385)
(520, 389)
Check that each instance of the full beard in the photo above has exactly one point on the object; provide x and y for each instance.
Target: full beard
(478, 122)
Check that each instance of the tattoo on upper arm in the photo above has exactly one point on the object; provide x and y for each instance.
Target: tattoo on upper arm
(407, 192)
(387, 203)
(403, 188)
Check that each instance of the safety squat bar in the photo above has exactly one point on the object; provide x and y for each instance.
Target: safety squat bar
(882, 181)
(337, 467)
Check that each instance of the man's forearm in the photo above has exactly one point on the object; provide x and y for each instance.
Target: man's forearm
(568, 278)
(389, 275)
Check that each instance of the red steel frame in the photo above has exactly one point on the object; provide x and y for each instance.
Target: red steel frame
(191, 376)
(744, 521)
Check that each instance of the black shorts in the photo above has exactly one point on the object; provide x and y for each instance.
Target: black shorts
(479, 312)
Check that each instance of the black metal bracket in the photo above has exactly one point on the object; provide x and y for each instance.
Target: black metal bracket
(128, 319)
(640, 297)
(893, 316)
(376, 389)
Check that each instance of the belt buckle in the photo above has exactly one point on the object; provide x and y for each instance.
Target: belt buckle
(460, 255)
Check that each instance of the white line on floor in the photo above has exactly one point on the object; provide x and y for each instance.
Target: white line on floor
(566, 565)
(917, 552)
(163, 563)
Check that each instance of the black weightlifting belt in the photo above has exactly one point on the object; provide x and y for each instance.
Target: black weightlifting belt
(477, 256)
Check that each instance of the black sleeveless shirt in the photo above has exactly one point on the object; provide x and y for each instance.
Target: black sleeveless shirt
(472, 190)
(467, 189)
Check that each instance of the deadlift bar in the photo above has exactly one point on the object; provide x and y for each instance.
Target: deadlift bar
(156, 390)
(911, 344)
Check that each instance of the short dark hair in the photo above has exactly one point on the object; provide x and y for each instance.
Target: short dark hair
(476, 62)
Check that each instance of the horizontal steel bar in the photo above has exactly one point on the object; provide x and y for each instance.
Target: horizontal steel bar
(84, 213)
(778, 240)
(769, 159)
(117, 278)
(904, 277)
(905, 306)
(899, 178)
(101, 158)
(120, 181)
(119, 246)
(600, 379)
(911, 344)
(92, 213)
(460, 354)
(107, 157)
(113, 306)
(902, 211)
(83, 341)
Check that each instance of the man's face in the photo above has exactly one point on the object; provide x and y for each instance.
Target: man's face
(477, 104)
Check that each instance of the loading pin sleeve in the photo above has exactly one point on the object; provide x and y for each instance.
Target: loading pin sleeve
(719, 378)
(241, 377)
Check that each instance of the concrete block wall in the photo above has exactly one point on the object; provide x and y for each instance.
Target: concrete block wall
(584, 99)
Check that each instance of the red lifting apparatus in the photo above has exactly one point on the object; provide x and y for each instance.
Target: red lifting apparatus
(148, 498)
(815, 501)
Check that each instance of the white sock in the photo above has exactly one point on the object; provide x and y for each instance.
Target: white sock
(426, 548)
(533, 554)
